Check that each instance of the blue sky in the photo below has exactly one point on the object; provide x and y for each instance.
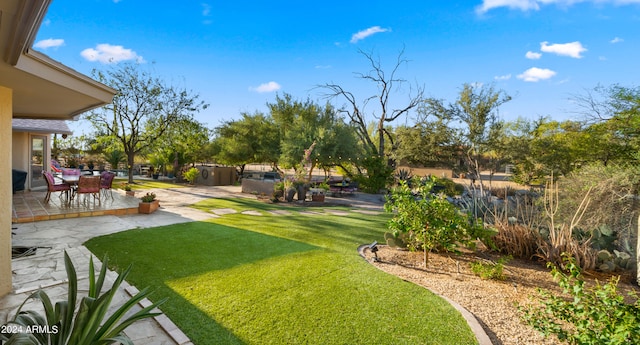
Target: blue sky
(238, 54)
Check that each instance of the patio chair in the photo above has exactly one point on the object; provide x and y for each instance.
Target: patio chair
(106, 181)
(70, 172)
(53, 187)
(88, 185)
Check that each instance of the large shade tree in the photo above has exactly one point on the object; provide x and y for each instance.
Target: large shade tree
(253, 138)
(143, 109)
(303, 123)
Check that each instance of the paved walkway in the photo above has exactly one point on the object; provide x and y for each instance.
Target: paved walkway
(46, 268)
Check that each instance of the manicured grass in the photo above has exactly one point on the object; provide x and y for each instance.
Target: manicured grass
(280, 279)
(139, 184)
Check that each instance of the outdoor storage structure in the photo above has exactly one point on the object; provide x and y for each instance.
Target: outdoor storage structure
(216, 176)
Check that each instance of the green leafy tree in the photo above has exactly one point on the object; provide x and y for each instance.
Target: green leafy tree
(251, 139)
(429, 142)
(186, 140)
(477, 109)
(303, 123)
(142, 111)
(429, 221)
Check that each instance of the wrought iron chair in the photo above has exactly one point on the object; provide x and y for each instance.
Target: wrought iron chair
(106, 181)
(89, 185)
(52, 187)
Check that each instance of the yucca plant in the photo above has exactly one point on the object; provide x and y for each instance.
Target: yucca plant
(88, 323)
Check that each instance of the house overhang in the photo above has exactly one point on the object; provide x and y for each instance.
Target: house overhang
(42, 87)
(40, 126)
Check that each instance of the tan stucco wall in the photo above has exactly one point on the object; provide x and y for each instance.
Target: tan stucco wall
(6, 113)
(21, 157)
(20, 150)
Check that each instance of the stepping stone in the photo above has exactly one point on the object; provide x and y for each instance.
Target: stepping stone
(338, 213)
(311, 213)
(252, 213)
(367, 212)
(223, 211)
(280, 212)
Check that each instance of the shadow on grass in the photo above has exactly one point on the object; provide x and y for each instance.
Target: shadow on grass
(171, 252)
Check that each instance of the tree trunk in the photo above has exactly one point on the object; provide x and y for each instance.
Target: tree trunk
(130, 157)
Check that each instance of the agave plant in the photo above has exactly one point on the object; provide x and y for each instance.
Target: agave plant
(66, 324)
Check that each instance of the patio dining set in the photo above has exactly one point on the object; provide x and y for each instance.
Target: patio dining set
(74, 184)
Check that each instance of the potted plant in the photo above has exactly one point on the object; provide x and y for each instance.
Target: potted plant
(127, 189)
(318, 193)
(289, 190)
(156, 172)
(148, 203)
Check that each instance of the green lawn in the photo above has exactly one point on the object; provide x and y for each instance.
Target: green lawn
(280, 279)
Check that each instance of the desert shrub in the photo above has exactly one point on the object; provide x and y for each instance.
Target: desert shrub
(490, 270)
(584, 315)
(191, 175)
(503, 192)
(517, 240)
(449, 187)
(430, 221)
(378, 175)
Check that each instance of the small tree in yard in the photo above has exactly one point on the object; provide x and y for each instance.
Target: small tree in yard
(430, 221)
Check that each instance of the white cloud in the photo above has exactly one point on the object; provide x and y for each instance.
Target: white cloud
(206, 10)
(533, 55)
(107, 53)
(360, 35)
(49, 43)
(523, 5)
(616, 40)
(535, 74)
(527, 5)
(502, 77)
(572, 49)
(266, 87)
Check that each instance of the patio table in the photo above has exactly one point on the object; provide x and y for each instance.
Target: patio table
(72, 181)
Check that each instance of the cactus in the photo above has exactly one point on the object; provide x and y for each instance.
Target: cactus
(608, 262)
(603, 237)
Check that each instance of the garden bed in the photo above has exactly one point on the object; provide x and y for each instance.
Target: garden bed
(492, 302)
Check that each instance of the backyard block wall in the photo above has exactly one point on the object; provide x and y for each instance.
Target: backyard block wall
(257, 186)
